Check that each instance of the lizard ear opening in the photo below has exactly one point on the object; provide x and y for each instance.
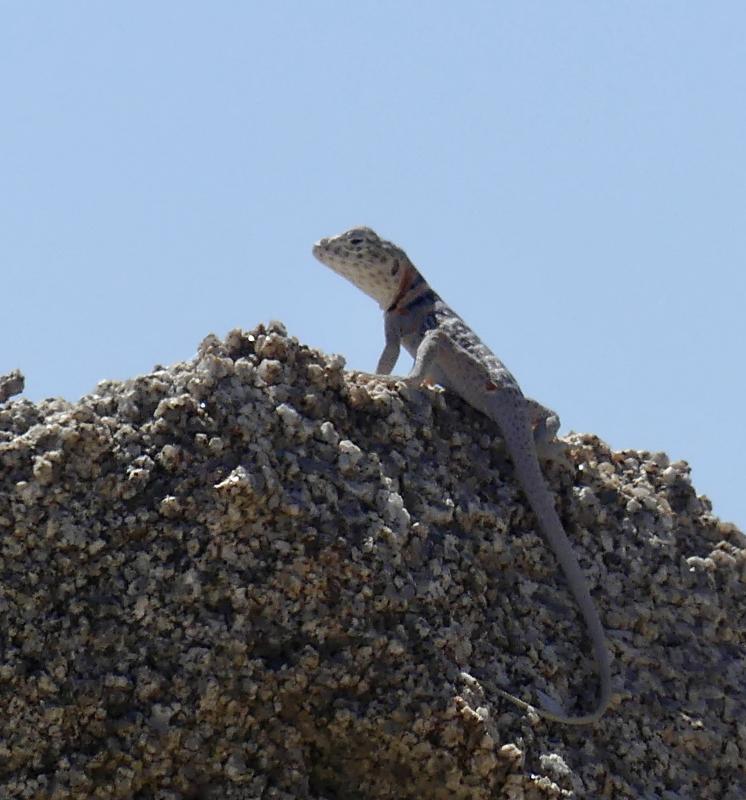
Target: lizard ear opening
(396, 267)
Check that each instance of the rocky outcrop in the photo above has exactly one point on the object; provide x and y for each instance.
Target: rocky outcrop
(255, 575)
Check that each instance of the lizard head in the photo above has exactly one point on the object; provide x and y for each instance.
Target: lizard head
(377, 267)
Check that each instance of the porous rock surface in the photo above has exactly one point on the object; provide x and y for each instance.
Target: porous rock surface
(257, 576)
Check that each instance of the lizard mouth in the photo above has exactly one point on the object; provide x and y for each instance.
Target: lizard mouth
(320, 246)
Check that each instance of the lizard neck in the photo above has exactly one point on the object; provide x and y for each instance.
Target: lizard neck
(413, 290)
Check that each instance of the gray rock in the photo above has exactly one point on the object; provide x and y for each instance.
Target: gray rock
(257, 576)
(11, 384)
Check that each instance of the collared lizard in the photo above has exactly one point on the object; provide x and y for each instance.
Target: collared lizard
(447, 352)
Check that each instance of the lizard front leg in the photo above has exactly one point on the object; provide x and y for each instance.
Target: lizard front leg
(426, 368)
(392, 348)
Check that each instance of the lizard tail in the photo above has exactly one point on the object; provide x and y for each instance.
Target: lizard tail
(519, 439)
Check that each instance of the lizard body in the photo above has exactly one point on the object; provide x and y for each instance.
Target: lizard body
(446, 351)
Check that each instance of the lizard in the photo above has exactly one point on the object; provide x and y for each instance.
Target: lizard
(447, 352)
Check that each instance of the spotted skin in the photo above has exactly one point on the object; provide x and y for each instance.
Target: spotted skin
(448, 352)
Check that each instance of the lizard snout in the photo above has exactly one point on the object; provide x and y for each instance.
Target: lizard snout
(320, 246)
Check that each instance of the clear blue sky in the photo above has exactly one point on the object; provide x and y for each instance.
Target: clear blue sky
(570, 176)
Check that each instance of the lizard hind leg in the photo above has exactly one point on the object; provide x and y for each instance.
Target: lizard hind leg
(545, 424)
(542, 418)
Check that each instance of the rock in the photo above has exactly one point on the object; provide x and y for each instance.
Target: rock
(11, 384)
(254, 575)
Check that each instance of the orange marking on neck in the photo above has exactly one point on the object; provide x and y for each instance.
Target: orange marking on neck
(405, 284)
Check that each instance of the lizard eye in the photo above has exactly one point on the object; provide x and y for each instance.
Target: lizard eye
(356, 240)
